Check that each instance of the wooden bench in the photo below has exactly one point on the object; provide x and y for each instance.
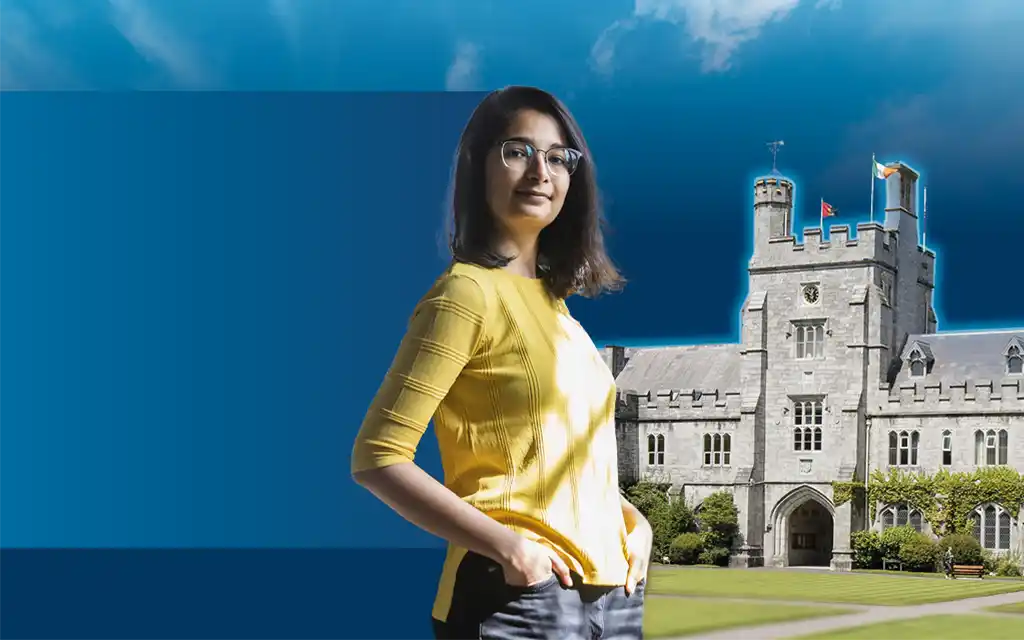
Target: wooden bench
(967, 570)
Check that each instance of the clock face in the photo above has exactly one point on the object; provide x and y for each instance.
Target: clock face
(811, 294)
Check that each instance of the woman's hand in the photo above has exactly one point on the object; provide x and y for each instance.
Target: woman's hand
(532, 563)
(638, 549)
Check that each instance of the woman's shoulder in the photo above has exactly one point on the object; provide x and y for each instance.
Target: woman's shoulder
(468, 284)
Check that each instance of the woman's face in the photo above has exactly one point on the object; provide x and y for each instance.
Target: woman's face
(528, 173)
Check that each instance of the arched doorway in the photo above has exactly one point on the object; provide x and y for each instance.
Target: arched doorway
(802, 524)
(810, 535)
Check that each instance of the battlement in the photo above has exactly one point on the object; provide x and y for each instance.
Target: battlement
(773, 191)
(680, 404)
(871, 243)
(967, 396)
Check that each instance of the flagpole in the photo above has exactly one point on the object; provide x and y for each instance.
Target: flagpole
(821, 217)
(872, 214)
(924, 222)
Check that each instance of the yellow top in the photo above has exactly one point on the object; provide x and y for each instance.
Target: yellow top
(524, 410)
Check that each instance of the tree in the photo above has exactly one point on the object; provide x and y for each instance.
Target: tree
(719, 520)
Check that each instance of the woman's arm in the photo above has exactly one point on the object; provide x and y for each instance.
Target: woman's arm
(425, 502)
(631, 515)
(444, 334)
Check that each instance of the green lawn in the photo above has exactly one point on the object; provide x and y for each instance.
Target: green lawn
(666, 617)
(963, 627)
(819, 587)
(1016, 607)
(931, 574)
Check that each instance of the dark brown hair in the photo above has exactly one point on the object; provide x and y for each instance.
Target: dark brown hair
(571, 252)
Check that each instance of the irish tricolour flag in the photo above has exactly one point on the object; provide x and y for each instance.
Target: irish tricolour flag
(881, 171)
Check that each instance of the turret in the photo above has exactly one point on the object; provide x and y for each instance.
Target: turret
(901, 203)
(773, 210)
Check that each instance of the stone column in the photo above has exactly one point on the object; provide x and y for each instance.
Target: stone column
(842, 555)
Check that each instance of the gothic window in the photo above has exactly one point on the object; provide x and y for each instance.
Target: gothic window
(901, 515)
(906, 190)
(903, 447)
(1014, 361)
(807, 439)
(717, 449)
(808, 412)
(991, 447)
(810, 338)
(656, 449)
(947, 448)
(918, 366)
(807, 421)
(991, 527)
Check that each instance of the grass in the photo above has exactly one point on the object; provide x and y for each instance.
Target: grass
(932, 574)
(820, 587)
(1014, 607)
(961, 627)
(667, 617)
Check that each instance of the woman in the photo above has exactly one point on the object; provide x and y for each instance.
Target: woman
(541, 543)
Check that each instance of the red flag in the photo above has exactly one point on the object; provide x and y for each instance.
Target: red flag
(828, 210)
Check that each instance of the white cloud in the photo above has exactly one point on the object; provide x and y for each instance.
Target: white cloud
(719, 26)
(463, 73)
(26, 63)
(157, 42)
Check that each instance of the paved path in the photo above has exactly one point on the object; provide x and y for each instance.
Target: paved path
(864, 615)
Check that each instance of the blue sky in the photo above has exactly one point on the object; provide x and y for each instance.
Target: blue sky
(251, 203)
(677, 97)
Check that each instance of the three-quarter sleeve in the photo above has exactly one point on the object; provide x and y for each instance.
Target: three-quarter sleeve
(444, 332)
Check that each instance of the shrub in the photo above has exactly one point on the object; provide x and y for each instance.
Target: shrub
(717, 556)
(719, 520)
(990, 561)
(647, 497)
(1009, 566)
(668, 518)
(662, 529)
(966, 550)
(651, 500)
(680, 517)
(919, 553)
(686, 548)
(867, 549)
(893, 540)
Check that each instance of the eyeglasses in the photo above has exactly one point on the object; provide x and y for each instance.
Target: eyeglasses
(516, 154)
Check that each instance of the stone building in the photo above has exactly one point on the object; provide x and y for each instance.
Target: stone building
(839, 371)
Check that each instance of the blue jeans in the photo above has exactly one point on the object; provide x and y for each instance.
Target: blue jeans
(484, 607)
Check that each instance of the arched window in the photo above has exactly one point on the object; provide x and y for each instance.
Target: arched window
(901, 515)
(808, 412)
(991, 527)
(656, 449)
(991, 447)
(717, 449)
(807, 439)
(918, 367)
(1014, 361)
(947, 448)
(903, 448)
(810, 339)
